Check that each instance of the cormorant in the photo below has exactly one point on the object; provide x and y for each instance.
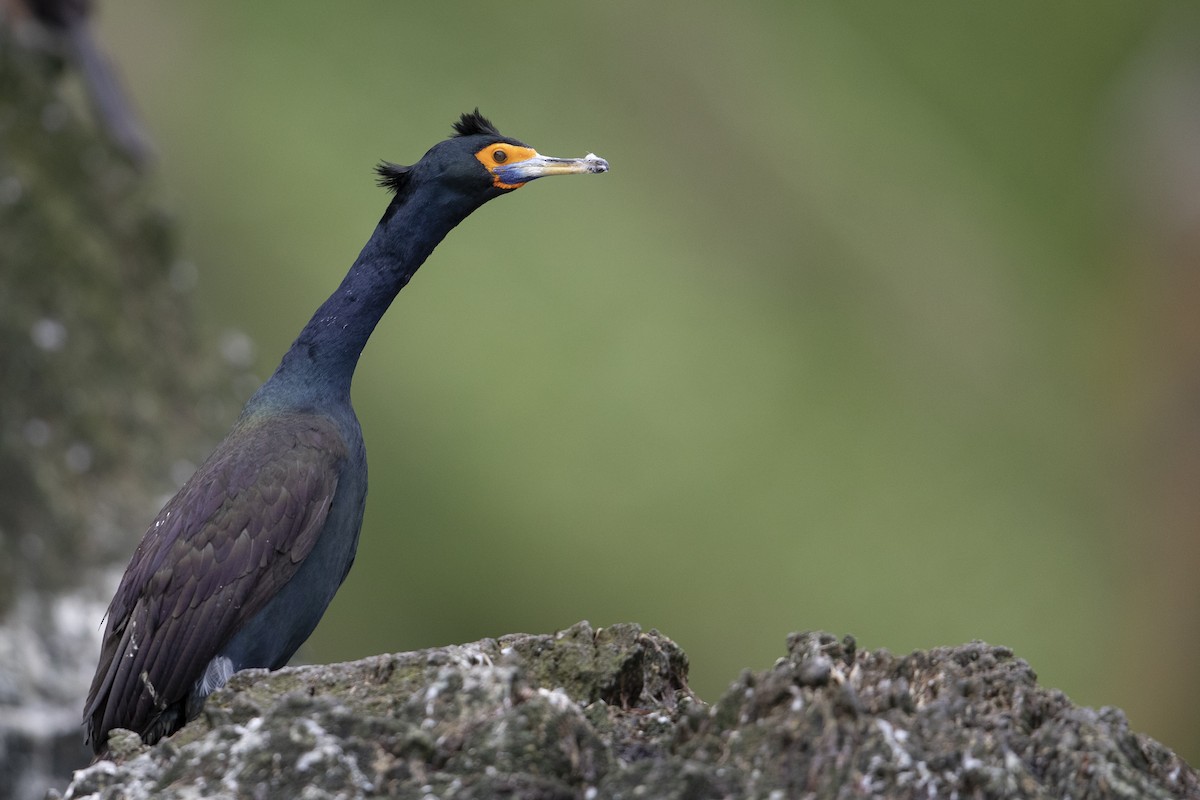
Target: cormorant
(238, 568)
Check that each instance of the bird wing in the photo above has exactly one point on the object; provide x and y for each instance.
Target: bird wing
(217, 552)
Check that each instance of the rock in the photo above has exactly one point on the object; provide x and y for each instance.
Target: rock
(966, 721)
(606, 713)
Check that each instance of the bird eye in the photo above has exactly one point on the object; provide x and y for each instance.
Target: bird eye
(500, 156)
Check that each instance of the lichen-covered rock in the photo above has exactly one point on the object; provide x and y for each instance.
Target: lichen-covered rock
(969, 721)
(522, 716)
(606, 713)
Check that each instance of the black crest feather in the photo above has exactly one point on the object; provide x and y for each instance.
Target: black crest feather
(475, 124)
(393, 177)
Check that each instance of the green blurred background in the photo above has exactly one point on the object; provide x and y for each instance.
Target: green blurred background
(884, 322)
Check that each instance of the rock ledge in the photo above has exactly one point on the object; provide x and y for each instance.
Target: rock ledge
(606, 713)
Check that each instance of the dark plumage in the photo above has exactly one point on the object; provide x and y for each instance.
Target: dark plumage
(238, 568)
(475, 124)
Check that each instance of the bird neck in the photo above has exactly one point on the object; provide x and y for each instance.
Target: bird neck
(319, 366)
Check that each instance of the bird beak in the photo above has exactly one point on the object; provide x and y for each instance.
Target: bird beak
(514, 173)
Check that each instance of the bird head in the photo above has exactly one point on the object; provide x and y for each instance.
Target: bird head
(478, 160)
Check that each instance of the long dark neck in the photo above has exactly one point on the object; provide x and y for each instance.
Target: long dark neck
(321, 362)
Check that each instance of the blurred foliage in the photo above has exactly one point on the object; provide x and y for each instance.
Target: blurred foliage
(864, 331)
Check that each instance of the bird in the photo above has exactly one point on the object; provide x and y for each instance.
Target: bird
(239, 566)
